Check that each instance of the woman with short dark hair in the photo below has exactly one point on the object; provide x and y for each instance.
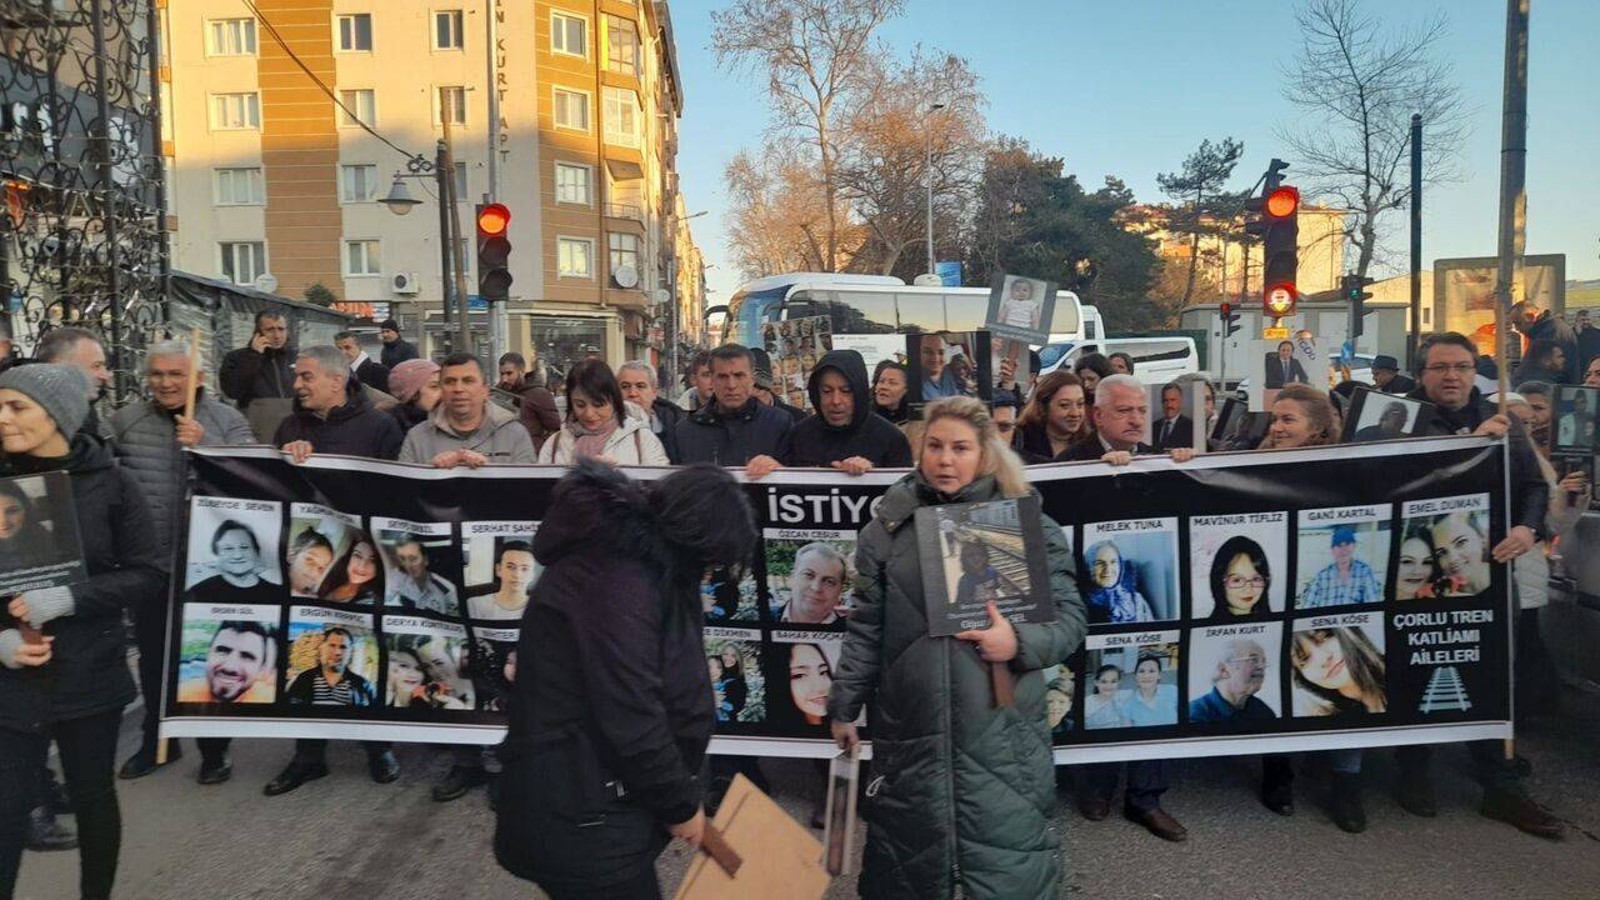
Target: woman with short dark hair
(601, 425)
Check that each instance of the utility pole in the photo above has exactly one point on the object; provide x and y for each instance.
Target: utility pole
(452, 231)
(927, 132)
(1513, 181)
(1414, 334)
(499, 323)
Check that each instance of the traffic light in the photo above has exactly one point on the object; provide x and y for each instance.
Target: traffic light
(1274, 219)
(494, 253)
(1354, 289)
(1230, 321)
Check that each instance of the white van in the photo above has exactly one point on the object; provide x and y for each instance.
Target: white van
(1156, 360)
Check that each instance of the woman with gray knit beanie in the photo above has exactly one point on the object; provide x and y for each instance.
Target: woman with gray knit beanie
(63, 664)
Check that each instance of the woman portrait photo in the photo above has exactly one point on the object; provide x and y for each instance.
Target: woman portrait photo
(1154, 698)
(239, 564)
(1114, 592)
(1461, 550)
(1103, 707)
(728, 684)
(356, 577)
(1240, 579)
(1337, 671)
(1418, 576)
(24, 542)
(807, 667)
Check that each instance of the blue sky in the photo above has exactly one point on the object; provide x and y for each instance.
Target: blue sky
(1130, 87)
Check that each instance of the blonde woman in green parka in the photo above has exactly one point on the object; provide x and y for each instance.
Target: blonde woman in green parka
(963, 790)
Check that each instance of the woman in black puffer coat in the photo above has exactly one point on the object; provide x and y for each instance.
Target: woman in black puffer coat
(64, 650)
(612, 710)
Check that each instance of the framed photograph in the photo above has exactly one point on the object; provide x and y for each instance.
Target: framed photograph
(1572, 421)
(39, 545)
(1021, 308)
(1376, 416)
(948, 364)
(974, 553)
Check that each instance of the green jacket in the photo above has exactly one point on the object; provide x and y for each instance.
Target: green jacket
(964, 790)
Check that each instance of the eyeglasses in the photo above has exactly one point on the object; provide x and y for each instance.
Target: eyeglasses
(1253, 661)
(1447, 368)
(1239, 581)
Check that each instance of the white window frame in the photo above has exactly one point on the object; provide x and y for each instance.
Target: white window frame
(345, 194)
(458, 26)
(588, 183)
(621, 98)
(563, 50)
(255, 186)
(349, 120)
(613, 251)
(225, 248)
(212, 49)
(338, 32)
(562, 239)
(588, 108)
(370, 269)
(252, 106)
(638, 47)
(459, 109)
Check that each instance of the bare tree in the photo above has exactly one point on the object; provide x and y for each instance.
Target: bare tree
(814, 53)
(1359, 81)
(1201, 198)
(888, 140)
(776, 214)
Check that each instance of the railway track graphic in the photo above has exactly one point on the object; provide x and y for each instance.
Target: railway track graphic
(1445, 692)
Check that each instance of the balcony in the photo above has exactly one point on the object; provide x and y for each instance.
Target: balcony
(633, 211)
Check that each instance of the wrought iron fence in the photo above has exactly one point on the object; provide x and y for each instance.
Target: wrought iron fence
(81, 231)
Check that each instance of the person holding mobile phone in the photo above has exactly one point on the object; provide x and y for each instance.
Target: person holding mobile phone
(259, 377)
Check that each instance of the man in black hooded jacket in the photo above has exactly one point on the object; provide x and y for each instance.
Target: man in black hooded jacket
(844, 434)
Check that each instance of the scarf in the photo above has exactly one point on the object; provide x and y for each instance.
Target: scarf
(591, 443)
(1119, 601)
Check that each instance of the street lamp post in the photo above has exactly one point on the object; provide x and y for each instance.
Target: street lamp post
(927, 130)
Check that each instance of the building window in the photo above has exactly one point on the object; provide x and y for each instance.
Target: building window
(461, 182)
(573, 184)
(447, 27)
(569, 35)
(571, 109)
(456, 99)
(622, 117)
(239, 187)
(233, 112)
(355, 32)
(357, 107)
(358, 183)
(622, 46)
(574, 257)
(233, 37)
(625, 252)
(363, 258)
(243, 262)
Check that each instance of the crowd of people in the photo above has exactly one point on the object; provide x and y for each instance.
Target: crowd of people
(650, 545)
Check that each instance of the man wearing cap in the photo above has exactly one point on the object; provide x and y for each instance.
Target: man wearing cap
(396, 349)
(1387, 377)
(1344, 581)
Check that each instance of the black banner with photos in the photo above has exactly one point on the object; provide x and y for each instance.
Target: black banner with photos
(1238, 603)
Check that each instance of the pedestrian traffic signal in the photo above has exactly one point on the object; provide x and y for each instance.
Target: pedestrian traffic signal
(1280, 251)
(1230, 321)
(1354, 289)
(494, 252)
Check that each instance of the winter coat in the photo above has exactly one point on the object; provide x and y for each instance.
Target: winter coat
(1530, 495)
(1531, 570)
(354, 429)
(707, 435)
(88, 672)
(539, 415)
(816, 443)
(396, 353)
(500, 437)
(1550, 327)
(964, 789)
(611, 691)
(247, 375)
(145, 439)
(408, 416)
(373, 374)
(669, 415)
(632, 444)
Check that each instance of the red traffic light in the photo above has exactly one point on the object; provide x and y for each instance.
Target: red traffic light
(493, 219)
(1282, 202)
(1227, 310)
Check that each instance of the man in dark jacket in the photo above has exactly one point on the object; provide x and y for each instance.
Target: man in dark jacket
(1283, 368)
(396, 349)
(844, 434)
(1446, 380)
(1588, 339)
(1535, 325)
(1387, 377)
(536, 406)
(734, 429)
(371, 373)
(149, 438)
(330, 682)
(638, 383)
(1121, 408)
(260, 377)
(332, 413)
(1175, 429)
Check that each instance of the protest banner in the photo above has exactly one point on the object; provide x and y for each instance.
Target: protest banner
(1239, 603)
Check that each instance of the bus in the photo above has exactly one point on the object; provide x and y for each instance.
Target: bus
(872, 313)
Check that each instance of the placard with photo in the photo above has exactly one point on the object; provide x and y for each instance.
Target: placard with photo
(1453, 532)
(418, 560)
(1021, 308)
(233, 551)
(1377, 416)
(1572, 420)
(39, 546)
(1131, 570)
(1232, 674)
(229, 653)
(1238, 566)
(1344, 556)
(974, 554)
(428, 664)
(332, 658)
(949, 364)
(498, 568)
(1337, 666)
(809, 575)
(1131, 680)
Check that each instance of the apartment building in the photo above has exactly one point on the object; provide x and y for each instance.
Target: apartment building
(287, 122)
